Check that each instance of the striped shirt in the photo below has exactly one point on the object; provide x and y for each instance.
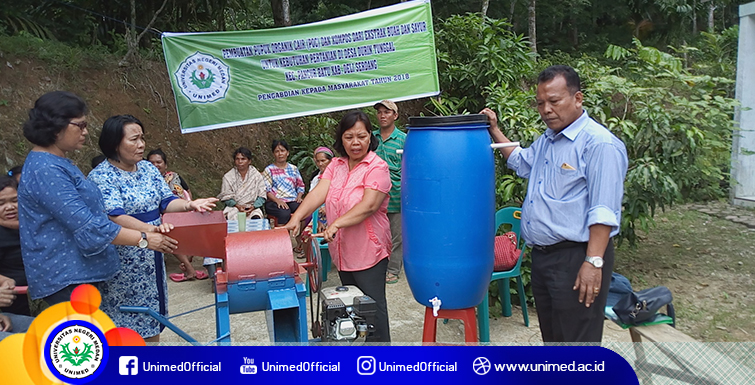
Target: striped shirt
(576, 180)
(387, 151)
(284, 183)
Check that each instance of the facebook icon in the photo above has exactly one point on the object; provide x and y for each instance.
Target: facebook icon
(128, 365)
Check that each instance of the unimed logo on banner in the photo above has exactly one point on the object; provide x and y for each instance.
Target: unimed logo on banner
(203, 78)
(128, 365)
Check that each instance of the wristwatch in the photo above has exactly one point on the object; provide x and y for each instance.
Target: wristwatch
(595, 261)
(143, 242)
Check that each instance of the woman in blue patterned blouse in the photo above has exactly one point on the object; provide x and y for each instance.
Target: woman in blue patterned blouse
(66, 237)
(135, 195)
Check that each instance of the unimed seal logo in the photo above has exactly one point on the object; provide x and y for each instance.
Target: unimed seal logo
(203, 78)
(76, 351)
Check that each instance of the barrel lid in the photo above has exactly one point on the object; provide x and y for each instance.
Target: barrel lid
(446, 121)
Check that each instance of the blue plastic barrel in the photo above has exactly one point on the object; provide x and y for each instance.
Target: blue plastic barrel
(448, 209)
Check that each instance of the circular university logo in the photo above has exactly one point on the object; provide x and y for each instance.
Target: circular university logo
(76, 352)
(203, 78)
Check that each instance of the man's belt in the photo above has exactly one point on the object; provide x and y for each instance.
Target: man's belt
(559, 246)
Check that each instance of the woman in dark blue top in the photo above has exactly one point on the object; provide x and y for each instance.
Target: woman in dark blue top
(66, 237)
(11, 264)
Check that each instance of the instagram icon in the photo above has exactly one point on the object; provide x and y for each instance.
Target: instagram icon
(366, 365)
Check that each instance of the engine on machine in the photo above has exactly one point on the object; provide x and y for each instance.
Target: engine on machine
(347, 314)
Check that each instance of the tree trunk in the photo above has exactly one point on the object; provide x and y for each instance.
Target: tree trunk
(512, 7)
(220, 15)
(485, 5)
(694, 17)
(574, 36)
(132, 40)
(130, 36)
(281, 13)
(711, 19)
(532, 25)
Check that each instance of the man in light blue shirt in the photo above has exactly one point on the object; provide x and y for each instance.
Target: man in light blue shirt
(576, 173)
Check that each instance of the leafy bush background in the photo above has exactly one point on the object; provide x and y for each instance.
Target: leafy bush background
(672, 110)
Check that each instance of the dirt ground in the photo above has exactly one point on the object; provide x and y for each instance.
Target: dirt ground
(706, 261)
(406, 318)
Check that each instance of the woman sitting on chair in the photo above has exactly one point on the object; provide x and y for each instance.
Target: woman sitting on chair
(285, 187)
(243, 189)
(181, 190)
(323, 156)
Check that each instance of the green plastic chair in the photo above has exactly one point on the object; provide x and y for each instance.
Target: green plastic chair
(326, 262)
(324, 254)
(511, 216)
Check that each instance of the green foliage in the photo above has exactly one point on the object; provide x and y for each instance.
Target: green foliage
(676, 122)
(677, 127)
(17, 24)
(56, 55)
(475, 53)
(482, 63)
(317, 130)
(714, 54)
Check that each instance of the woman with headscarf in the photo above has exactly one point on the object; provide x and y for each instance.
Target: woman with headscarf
(322, 157)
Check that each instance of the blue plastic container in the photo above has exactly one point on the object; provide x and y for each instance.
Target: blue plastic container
(448, 208)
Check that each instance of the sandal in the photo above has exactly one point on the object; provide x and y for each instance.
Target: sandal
(179, 277)
(201, 275)
(391, 278)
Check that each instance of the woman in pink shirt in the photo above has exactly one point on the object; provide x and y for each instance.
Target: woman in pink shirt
(355, 189)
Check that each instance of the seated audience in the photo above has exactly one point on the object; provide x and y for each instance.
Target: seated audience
(243, 189)
(285, 187)
(11, 263)
(180, 189)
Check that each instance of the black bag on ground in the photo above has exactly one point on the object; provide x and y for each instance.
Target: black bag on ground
(642, 306)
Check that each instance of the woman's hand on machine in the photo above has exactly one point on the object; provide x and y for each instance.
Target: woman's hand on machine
(163, 228)
(328, 235)
(160, 242)
(293, 226)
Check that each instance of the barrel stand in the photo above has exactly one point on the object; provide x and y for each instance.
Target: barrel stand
(429, 332)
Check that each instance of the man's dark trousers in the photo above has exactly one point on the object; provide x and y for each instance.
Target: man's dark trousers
(562, 317)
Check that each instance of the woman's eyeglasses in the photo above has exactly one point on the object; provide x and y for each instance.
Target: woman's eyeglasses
(81, 125)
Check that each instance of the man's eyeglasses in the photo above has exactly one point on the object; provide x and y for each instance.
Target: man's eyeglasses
(81, 125)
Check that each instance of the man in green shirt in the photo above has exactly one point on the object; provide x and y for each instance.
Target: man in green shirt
(391, 139)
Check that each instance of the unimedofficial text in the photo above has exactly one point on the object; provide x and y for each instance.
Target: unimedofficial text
(187, 366)
(421, 366)
(315, 366)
